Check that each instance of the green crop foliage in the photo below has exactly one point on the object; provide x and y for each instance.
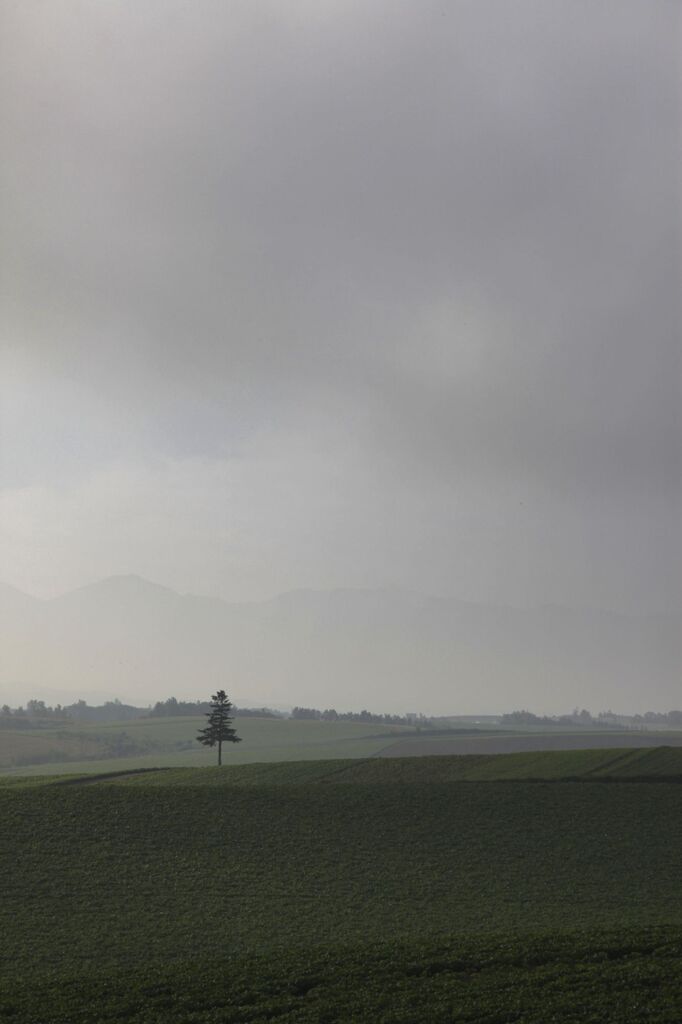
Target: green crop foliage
(607, 978)
(392, 891)
(653, 764)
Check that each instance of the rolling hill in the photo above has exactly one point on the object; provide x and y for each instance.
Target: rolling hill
(395, 891)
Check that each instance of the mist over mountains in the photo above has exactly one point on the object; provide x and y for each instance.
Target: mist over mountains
(380, 649)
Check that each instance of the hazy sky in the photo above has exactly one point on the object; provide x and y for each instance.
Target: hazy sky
(319, 293)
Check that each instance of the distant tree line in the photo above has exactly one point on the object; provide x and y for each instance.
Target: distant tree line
(673, 718)
(183, 708)
(605, 719)
(34, 709)
(332, 715)
(172, 707)
(38, 714)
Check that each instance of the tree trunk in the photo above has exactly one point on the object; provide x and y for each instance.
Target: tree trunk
(220, 752)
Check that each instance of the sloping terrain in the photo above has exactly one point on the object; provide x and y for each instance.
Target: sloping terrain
(113, 870)
(171, 742)
(624, 764)
(367, 890)
(509, 744)
(164, 742)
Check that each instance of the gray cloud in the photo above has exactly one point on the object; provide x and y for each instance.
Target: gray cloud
(436, 245)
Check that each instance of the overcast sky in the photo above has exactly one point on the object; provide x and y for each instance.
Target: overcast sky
(330, 293)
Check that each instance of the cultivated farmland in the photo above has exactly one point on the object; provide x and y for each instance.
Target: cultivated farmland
(368, 890)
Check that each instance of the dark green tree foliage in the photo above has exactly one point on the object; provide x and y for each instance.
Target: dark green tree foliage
(219, 729)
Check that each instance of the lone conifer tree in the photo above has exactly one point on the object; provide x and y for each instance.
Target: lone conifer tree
(219, 728)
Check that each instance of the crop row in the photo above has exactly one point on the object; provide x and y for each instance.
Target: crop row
(113, 874)
(624, 977)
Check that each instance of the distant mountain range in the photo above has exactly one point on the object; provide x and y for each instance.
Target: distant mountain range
(382, 649)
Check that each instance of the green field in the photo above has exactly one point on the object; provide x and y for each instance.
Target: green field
(653, 764)
(166, 742)
(171, 742)
(425, 889)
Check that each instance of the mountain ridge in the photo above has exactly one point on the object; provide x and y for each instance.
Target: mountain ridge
(142, 582)
(385, 649)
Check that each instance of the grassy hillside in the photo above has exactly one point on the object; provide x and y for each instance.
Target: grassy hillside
(171, 742)
(523, 740)
(652, 764)
(261, 893)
